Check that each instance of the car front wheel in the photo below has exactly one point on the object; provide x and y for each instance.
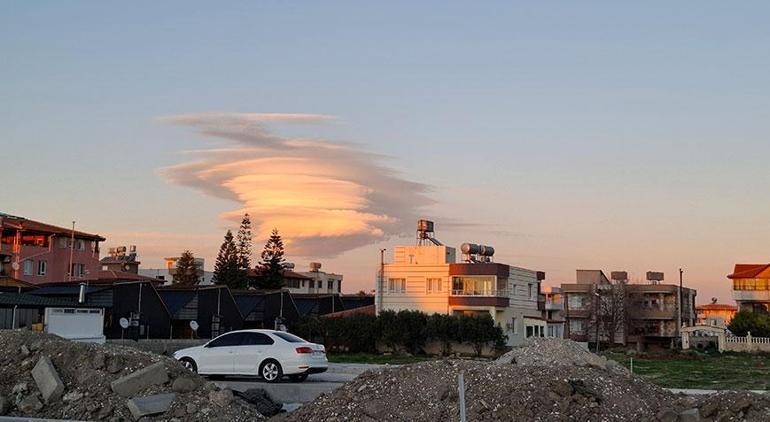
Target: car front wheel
(189, 364)
(271, 371)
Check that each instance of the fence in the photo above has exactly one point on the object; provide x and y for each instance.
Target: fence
(747, 344)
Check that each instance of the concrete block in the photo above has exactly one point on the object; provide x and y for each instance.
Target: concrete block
(29, 405)
(150, 405)
(137, 381)
(691, 415)
(47, 380)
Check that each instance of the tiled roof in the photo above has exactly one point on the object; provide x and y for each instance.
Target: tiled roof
(716, 307)
(748, 270)
(14, 222)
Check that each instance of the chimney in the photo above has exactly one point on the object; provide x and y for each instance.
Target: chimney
(82, 294)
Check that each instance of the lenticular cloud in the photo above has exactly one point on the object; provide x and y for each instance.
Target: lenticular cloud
(324, 197)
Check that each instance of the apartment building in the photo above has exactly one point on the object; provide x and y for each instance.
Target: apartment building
(715, 314)
(751, 287)
(37, 252)
(428, 278)
(316, 281)
(619, 312)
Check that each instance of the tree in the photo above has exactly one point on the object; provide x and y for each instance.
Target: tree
(227, 270)
(243, 246)
(186, 273)
(480, 331)
(746, 321)
(613, 309)
(271, 271)
(443, 328)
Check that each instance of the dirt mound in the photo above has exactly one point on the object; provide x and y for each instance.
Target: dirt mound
(87, 371)
(428, 392)
(541, 351)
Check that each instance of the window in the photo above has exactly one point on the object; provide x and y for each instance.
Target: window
(77, 270)
(292, 283)
(529, 286)
(80, 244)
(226, 340)
(28, 264)
(530, 331)
(433, 285)
(42, 266)
(63, 242)
(476, 286)
(255, 339)
(396, 285)
(291, 338)
(330, 285)
(513, 325)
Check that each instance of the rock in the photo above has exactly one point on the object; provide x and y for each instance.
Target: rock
(689, 415)
(5, 405)
(191, 409)
(104, 412)
(667, 415)
(184, 385)
(47, 380)
(28, 363)
(137, 381)
(150, 405)
(73, 396)
(709, 409)
(20, 388)
(30, 404)
(98, 361)
(25, 350)
(179, 412)
(222, 397)
(741, 405)
(262, 400)
(115, 365)
(562, 388)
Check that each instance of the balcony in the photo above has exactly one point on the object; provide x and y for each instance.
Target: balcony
(751, 295)
(652, 313)
(551, 305)
(498, 298)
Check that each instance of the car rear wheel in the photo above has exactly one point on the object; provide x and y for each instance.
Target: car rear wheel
(271, 370)
(189, 364)
(298, 377)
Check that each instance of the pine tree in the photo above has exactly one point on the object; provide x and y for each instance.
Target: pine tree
(226, 269)
(243, 245)
(186, 273)
(271, 271)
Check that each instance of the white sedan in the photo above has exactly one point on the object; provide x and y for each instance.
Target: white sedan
(269, 354)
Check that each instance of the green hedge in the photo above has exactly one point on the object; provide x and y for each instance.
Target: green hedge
(404, 331)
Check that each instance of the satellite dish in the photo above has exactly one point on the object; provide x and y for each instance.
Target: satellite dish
(194, 325)
(15, 266)
(123, 323)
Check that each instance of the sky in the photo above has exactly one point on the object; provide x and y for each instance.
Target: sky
(568, 135)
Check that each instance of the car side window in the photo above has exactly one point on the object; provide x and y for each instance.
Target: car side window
(226, 340)
(256, 339)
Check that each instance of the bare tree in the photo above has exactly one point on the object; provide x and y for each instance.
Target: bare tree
(613, 311)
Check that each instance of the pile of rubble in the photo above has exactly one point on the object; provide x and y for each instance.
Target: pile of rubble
(565, 382)
(45, 376)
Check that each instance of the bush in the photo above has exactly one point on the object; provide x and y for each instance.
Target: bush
(745, 321)
(479, 331)
(413, 328)
(444, 329)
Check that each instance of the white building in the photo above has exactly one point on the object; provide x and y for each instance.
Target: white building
(427, 278)
(317, 281)
(167, 274)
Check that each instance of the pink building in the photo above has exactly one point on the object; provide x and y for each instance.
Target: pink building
(38, 253)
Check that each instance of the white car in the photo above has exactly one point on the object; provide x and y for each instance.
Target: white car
(269, 354)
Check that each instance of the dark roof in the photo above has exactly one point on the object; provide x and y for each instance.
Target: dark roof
(248, 303)
(120, 259)
(66, 290)
(22, 223)
(28, 300)
(106, 276)
(357, 301)
(176, 299)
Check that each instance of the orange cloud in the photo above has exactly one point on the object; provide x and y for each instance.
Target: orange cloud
(325, 197)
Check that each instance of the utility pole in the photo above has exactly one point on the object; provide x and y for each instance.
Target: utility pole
(681, 301)
(381, 280)
(596, 316)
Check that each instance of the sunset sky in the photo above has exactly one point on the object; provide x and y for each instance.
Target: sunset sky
(591, 135)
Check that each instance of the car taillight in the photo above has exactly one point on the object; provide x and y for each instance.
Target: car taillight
(304, 349)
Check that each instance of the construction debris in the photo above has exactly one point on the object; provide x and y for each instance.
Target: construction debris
(544, 380)
(44, 376)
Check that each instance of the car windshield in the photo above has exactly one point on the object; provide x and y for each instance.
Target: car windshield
(291, 338)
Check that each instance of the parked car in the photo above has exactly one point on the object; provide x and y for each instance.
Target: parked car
(269, 354)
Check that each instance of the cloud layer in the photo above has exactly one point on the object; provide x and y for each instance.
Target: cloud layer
(325, 197)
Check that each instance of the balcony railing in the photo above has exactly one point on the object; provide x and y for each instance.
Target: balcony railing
(484, 292)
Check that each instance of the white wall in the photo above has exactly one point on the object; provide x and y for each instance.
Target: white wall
(79, 324)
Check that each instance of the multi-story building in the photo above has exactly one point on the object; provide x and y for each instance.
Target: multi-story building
(622, 312)
(751, 287)
(317, 281)
(427, 278)
(37, 252)
(553, 311)
(715, 314)
(118, 260)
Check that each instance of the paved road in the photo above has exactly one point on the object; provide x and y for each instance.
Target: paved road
(301, 392)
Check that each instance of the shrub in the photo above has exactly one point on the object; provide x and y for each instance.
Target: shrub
(745, 321)
(479, 331)
(444, 329)
(412, 326)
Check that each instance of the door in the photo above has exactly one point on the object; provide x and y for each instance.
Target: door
(247, 357)
(217, 355)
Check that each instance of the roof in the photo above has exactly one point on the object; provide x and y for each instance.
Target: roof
(248, 303)
(176, 299)
(366, 310)
(286, 274)
(120, 259)
(716, 307)
(21, 223)
(109, 277)
(28, 300)
(748, 270)
(13, 282)
(66, 290)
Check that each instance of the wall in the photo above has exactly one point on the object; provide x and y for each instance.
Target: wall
(747, 344)
(160, 346)
(57, 261)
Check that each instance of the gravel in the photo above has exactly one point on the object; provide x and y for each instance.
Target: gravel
(87, 371)
(544, 380)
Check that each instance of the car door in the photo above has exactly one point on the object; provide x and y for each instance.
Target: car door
(250, 353)
(217, 355)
